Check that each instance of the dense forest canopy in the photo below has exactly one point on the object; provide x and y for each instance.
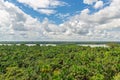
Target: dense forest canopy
(62, 62)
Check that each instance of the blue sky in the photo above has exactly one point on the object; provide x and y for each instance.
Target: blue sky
(60, 20)
(73, 7)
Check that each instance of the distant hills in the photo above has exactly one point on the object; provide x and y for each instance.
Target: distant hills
(58, 42)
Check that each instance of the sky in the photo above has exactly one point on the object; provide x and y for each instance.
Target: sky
(59, 20)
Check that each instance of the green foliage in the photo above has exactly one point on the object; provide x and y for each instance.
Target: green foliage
(97, 77)
(113, 45)
(63, 62)
(117, 76)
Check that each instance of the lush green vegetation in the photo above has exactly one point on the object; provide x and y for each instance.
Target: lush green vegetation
(63, 62)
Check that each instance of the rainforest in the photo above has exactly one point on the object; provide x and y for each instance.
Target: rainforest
(61, 62)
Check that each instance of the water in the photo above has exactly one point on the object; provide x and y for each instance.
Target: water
(30, 44)
(91, 45)
(94, 45)
(41, 44)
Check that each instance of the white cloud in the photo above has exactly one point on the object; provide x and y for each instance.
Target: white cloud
(85, 12)
(89, 1)
(99, 4)
(42, 3)
(47, 11)
(62, 16)
(43, 6)
(102, 25)
(14, 23)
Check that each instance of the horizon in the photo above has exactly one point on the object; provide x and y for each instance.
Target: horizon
(59, 42)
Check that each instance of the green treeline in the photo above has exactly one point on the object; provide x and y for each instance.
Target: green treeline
(63, 62)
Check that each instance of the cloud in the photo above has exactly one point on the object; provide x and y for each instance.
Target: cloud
(62, 16)
(47, 11)
(14, 23)
(90, 2)
(107, 18)
(101, 25)
(43, 6)
(99, 4)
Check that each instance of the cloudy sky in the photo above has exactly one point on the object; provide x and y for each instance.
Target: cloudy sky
(70, 20)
